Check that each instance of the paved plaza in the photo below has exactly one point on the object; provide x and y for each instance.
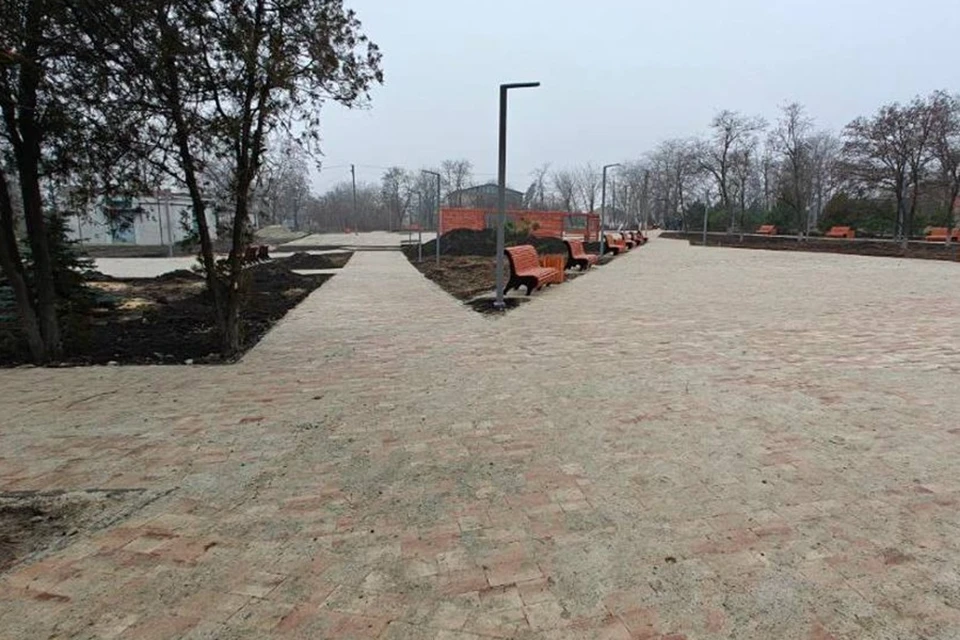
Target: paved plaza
(688, 443)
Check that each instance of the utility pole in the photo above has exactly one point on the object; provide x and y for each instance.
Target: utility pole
(353, 175)
(420, 227)
(439, 213)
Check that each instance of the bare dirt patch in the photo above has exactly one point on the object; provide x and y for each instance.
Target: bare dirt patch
(166, 320)
(463, 277)
(33, 523)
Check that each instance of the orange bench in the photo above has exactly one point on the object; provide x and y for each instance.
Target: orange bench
(578, 257)
(841, 232)
(614, 243)
(525, 269)
(557, 262)
(939, 234)
(767, 230)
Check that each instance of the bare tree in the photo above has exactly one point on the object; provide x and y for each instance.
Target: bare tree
(732, 132)
(536, 196)
(565, 183)
(742, 174)
(675, 169)
(632, 183)
(945, 149)
(769, 177)
(395, 194)
(680, 159)
(423, 190)
(457, 175)
(333, 210)
(282, 187)
(790, 139)
(825, 176)
(889, 152)
(588, 179)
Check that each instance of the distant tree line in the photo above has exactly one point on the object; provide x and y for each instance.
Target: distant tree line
(892, 174)
(402, 199)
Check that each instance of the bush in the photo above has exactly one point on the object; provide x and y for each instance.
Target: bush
(71, 271)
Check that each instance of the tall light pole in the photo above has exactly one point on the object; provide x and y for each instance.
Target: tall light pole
(353, 175)
(603, 201)
(420, 226)
(434, 173)
(502, 179)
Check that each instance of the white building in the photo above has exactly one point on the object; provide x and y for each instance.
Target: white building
(159, 219)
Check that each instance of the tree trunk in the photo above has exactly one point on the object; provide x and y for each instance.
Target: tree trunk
(230, 333)
(911, 214)
(743, 212)
(901, 227)
(169, 87)
(952, 199)
(12, 266)
(27, 157)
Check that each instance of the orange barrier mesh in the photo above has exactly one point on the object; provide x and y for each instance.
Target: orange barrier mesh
(542, 224)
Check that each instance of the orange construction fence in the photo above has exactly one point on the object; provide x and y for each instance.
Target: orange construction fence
(543, 224)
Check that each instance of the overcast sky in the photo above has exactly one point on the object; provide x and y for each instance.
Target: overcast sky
(621, 75)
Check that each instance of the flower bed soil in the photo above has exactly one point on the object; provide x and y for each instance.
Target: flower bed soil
(168, 319)
(315, 261)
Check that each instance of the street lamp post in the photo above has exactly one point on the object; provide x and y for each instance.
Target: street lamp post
(420, 227)
(603, 201)
(502, 180)
(434, 173)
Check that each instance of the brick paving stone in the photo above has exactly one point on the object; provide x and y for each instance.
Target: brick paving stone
(734, 443)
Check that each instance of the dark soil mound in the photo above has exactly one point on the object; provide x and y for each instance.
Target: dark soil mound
(273, 277)
(311, 261)
(466, 242)
(180, 275)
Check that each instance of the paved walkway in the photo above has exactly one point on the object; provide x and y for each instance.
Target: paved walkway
(688, 443)
(360, 241)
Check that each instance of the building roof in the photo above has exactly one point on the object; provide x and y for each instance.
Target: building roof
(486, 187)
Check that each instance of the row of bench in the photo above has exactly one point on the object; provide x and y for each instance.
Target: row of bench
(934, 234)
(526, 270)
(834, 232)
(939, 234)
